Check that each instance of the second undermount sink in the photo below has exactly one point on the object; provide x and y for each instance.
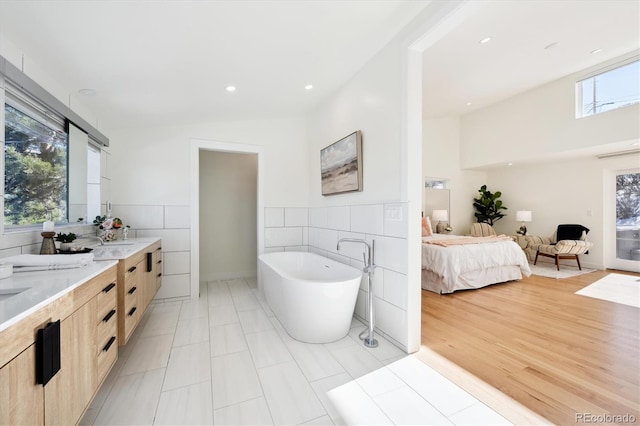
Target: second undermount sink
(10, 292)
(117, 243)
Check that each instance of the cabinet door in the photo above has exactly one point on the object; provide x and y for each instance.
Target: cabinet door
(69, 392)
(21, 399)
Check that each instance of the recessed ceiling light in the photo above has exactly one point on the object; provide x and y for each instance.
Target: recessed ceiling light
(231, 88)
(468, 103)
(308, 87)
(87, 92)
(596, 51)
(485, 40)
(509, 164)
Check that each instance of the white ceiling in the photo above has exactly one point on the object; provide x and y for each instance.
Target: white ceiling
(154, 62)
(159, 62)
(458, 69)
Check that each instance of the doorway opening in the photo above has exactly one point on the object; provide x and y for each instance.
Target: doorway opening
(227, 211)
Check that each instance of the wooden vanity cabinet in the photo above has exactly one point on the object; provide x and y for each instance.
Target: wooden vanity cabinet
(21, 399)
(85, 359)
(138, 283)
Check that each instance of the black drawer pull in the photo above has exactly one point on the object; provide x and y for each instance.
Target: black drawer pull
(159, 261)
(159, 275)
(108, 288)
(132, 311)
(108, 316)
(133, 268)
(109, 343)
(133, 290)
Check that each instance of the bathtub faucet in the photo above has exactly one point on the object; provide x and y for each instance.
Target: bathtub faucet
(369, 266)
(369, 258)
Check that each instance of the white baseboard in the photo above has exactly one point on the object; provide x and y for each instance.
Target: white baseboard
(217, 276)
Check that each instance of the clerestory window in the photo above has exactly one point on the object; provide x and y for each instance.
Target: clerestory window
(608, 90)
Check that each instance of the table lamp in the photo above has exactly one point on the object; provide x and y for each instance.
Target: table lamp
(442, 217)
(523, 216)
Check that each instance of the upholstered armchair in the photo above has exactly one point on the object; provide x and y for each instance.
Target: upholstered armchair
(568, 242)
(482, 230)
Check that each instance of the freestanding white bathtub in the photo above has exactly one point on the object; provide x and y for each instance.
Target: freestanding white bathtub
(312, 296)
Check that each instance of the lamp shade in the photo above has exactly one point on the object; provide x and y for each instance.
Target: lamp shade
(523, 216)
(440, 215)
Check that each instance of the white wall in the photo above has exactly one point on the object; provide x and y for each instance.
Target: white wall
(381, 100)
(540, 122)
(228, 215)
(570, 191)
(441, 159)
(150, 179)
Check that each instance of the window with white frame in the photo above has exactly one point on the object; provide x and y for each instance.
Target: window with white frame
(614, 88)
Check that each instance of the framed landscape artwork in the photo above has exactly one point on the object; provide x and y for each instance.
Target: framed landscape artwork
(341, 165)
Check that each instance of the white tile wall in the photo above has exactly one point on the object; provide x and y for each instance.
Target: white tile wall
(367, 219)
(172, 239)
(140, 217)
(391, 252)
(273, 217)
(177, 217)
(394, 220)
(276, 237)
(395, 288)
(174, 286)
(339, 218)
(318, 217)
(386, 223)
(296, 216)
(176, 262)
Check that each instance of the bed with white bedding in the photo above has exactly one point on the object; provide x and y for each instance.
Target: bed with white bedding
(469, 266)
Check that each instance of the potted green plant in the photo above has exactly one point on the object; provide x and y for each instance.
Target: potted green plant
(488, 206)
(66, 240)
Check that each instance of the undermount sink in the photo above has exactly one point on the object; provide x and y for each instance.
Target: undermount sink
(10, 292)
(111, 251)
(117, 243)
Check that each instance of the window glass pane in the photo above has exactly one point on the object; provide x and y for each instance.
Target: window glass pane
(610, 90)
(35, 183)
(628, 216)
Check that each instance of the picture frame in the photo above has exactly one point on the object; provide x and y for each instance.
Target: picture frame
(341, 165)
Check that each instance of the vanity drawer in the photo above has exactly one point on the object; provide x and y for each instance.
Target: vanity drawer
(131, 316)
(108, 295)
(107, 327)
(107, 355)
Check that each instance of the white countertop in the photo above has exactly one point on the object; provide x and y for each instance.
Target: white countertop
(121, 249)
(43, 287)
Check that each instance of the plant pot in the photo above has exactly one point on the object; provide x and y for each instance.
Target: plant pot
(66, 246)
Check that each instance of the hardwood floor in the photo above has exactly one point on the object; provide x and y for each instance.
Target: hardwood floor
(562, 355)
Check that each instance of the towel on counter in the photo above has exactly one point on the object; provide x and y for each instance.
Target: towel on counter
(44, 262)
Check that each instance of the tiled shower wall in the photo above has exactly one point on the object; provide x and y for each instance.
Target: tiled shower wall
(318, 230)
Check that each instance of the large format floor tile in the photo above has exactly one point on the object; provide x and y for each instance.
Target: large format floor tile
(190, 405)
(226, 360)
(234, 379)
(289, 395)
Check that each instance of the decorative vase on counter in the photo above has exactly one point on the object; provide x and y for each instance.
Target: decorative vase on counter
(107, 234)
